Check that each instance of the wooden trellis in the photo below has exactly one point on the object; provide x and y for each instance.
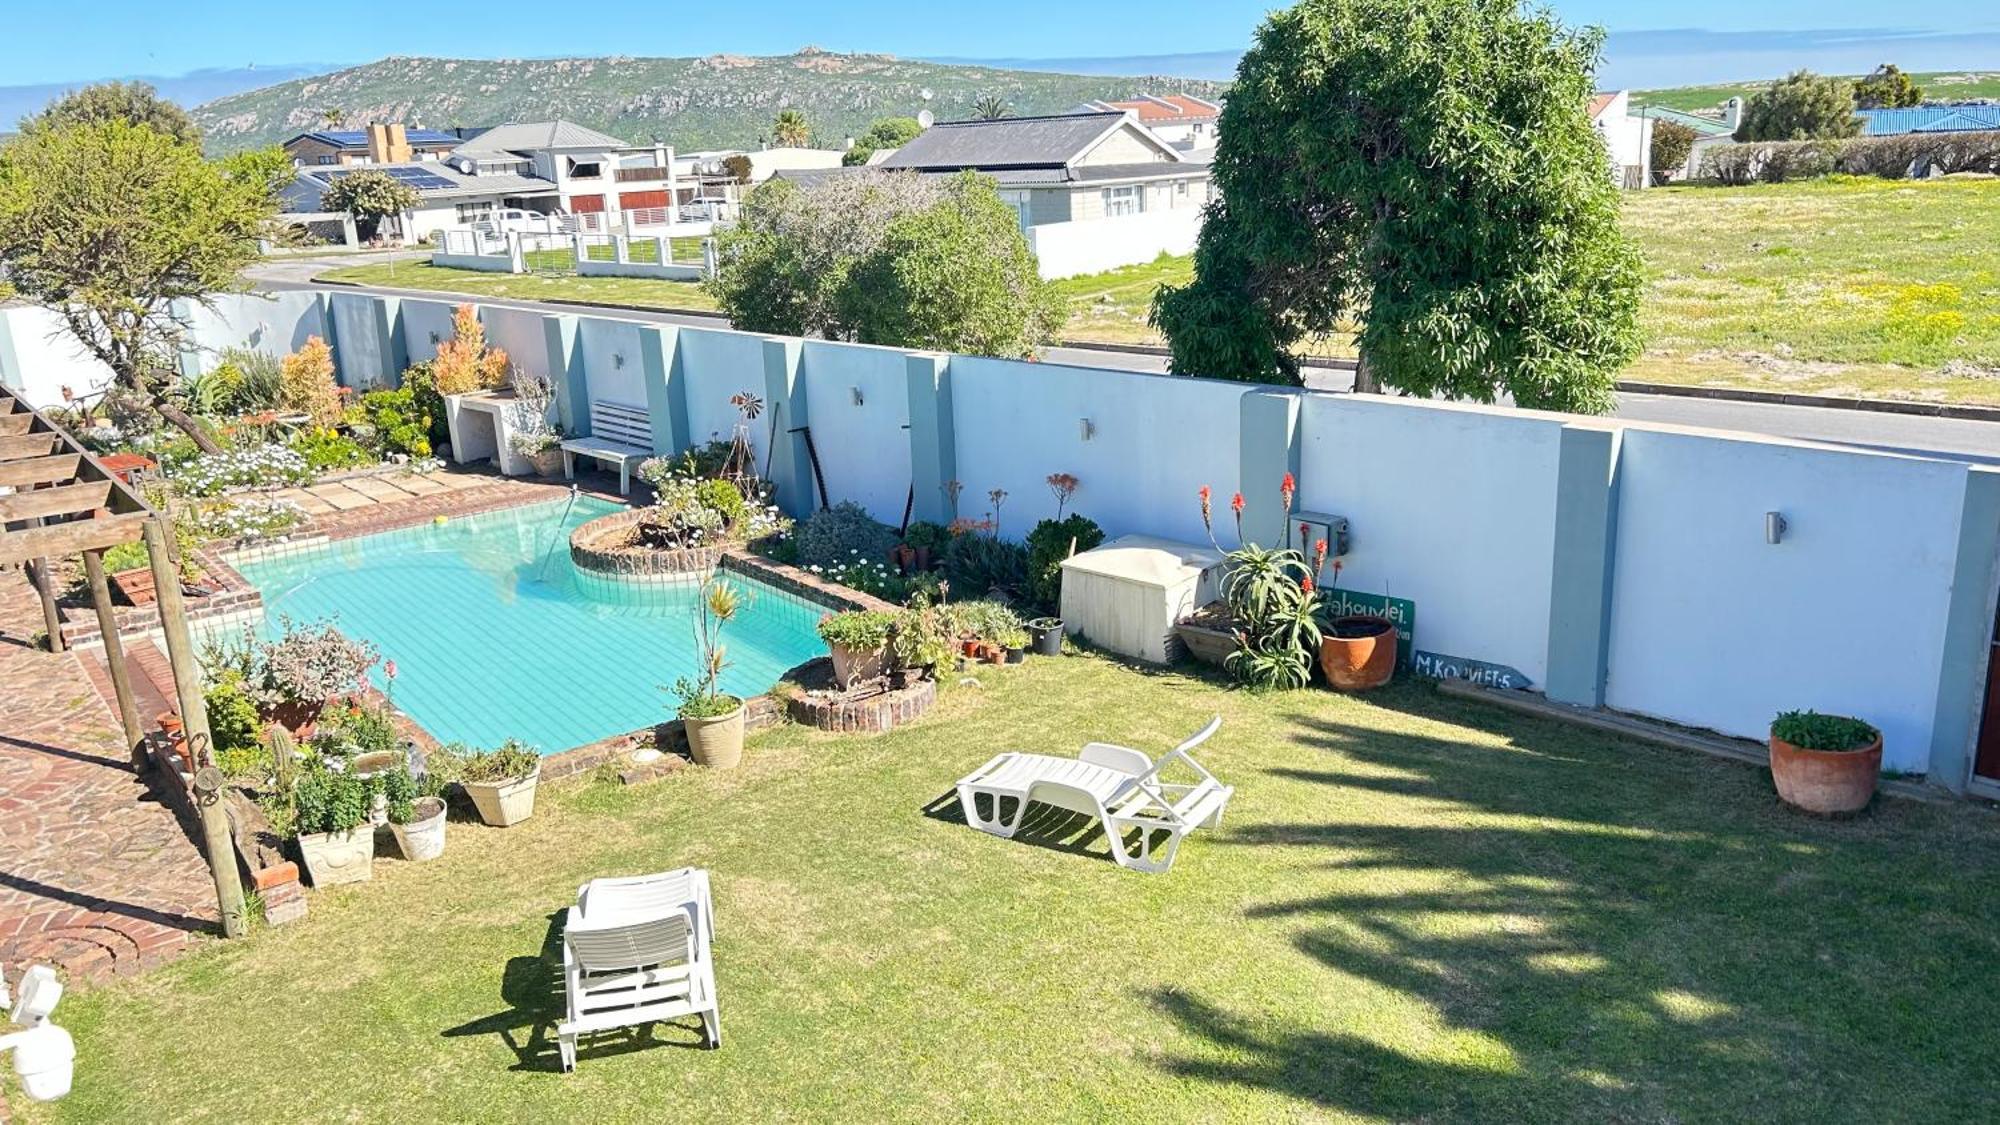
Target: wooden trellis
(63, 502)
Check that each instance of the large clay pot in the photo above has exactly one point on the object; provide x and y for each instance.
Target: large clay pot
(300, 717)
(504, 804)
(1828, 782)
(339, 857)
(853, 665)
(1358, 652)
(716, 742)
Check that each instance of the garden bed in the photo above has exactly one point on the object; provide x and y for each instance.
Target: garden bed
(613, 545)
(811, 697)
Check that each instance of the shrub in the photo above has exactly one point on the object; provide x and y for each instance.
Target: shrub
(1048, 545)
(233, 724)
(464, 363)
(421, 381)
(1269, 596)
(399, 793)
(256, 466)
(361, 728)
(250, 763)
(259, 381)
(723, 497)
(402, 423)
(841, 534)
(926, 535)
(922, 640)
(858, 630)
(326, 450)
(1810, 730)
(326, 801)
(306, 383)
(514, 759)
(979, 564)
(314, 663)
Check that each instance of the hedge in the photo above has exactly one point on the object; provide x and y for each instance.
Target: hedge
(1892, 158)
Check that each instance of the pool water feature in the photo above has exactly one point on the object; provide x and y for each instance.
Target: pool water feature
(487, 650)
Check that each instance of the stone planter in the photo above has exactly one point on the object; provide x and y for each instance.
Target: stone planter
(339, 857)
(1210, 646)
(546, 463)
(503, 804)
(1358, 652)
(1827, 782)
(716, 742)
(851, 666)
(423, 838)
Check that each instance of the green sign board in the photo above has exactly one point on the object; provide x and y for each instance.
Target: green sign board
(1402, 612)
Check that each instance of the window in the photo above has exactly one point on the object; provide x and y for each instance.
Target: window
(1124, 200)
(474, 212)
(585, 169)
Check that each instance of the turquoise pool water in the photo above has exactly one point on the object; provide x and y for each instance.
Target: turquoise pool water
(488, 647)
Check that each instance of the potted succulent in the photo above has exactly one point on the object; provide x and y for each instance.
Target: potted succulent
(859, 642)
(1357, 651)
(1013, 641)
(330, 812)
(415, 816)
(921, 642)
(501, 783)
(1826, 764)
(712, 719)
(542, 450)
(305, 669)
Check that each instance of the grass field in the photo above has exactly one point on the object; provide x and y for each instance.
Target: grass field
(1953, 85)
(1838, 286)
(1418, 908)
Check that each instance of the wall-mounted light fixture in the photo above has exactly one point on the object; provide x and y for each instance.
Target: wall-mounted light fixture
(1774, 527)
(436, 339)
(1086, 429)
(617, 359)
(856, 392)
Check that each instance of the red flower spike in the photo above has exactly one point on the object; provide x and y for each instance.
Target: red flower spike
(1306, 584)
(1236, 503)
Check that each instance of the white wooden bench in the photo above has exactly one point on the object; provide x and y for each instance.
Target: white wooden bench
(619, 432)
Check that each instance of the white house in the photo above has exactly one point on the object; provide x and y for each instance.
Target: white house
(1181, 120)
(1709, 132)
(1628, 140)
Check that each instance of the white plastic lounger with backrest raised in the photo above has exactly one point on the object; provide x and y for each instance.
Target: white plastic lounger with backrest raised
(636, 951)
(1122, 788)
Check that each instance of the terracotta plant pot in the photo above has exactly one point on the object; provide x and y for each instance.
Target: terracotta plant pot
(923, 557)
(339, 857)
(423, 838)
(716, 742)
(1363, 658)
(504, 804)
(904, 558)
(1827, 782)
(853, 665)
(970, 647)
(547, 463)
(300, 717)
(176, 735)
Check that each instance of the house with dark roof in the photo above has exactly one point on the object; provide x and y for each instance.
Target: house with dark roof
(380, 143)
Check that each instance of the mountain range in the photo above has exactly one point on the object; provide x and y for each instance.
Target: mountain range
(717, 101)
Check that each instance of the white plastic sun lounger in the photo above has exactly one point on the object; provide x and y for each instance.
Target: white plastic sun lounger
(1122, 788)
(636, 951)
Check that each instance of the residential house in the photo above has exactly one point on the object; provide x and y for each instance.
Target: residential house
(1929, 119)
(1181, 120)
(1709, 132)
(1093, 190)
(1628, 139)
(604, 182)
(450, 195)
(389, 142)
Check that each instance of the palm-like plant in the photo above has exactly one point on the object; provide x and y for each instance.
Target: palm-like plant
(991, 107)
(790, 129)
(333, 116)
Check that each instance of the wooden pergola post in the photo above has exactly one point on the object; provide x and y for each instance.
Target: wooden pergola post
(215, 836)
(114, 658)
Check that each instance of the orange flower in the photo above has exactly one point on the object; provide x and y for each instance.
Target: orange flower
(1306, 584)
(1236, 503)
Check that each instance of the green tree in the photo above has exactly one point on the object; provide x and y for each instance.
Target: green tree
(134, 102)
(955, 276)
(108, 223)
(370, 195)
(333, 117)
(1803, 106)
(1887, 88)
(886, 257)
(990, 107)
(790, 129)
(1425, 170)
(738, 167)
(887, 132)
(1672, 142)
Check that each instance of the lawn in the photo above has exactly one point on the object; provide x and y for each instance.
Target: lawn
(638, 292)
(1419, 908)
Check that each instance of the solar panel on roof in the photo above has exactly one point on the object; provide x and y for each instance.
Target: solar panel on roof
(421, 179)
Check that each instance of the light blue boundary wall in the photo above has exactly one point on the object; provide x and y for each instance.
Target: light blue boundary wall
(367, 339)
(1968, 632)
(666, 401)
(933, 446)
(1268, 429)
(1580, 583)
(791, 457)
(566, 372)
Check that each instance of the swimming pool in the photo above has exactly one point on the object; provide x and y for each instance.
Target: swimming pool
(489, 647)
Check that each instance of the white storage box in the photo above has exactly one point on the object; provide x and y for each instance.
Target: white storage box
(1126, 595)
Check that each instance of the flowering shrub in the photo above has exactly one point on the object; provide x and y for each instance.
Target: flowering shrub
(1271, 600)
(696, 513)
(305, 383)
(314, 663)
(256, 466)
(248, 518)
(464, 363)
(835, 536)
(870, 576)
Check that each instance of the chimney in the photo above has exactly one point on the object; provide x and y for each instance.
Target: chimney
(388, 143)
(1732, 113)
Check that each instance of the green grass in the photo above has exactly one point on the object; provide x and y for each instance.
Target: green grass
(1419, 908)
(639, 292)
(1952, 85)
(1112, 307)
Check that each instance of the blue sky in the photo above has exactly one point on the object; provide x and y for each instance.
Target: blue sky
(94, 38)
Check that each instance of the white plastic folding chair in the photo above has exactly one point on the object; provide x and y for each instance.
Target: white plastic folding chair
(636, 951)
(1121, 787)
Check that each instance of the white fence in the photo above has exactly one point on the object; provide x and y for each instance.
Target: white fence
(1622, 564)
(1095, 245)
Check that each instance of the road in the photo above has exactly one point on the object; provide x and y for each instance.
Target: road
(1951, 438)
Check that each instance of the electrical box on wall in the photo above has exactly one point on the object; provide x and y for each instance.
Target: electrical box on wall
(1333, 529)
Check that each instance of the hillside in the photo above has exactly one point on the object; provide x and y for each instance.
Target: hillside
(1953, 85)
(721, 101)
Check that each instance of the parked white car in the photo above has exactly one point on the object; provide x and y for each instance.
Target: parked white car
(527, 222)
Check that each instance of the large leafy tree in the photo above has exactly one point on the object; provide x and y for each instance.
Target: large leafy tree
(1426, 171)
(1672, 142)
(108, 224)
(790, 129)
(134, 102)
(1802, 106)
(370, 195)
(1887, 88)
(886, 257)
(887, 132)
